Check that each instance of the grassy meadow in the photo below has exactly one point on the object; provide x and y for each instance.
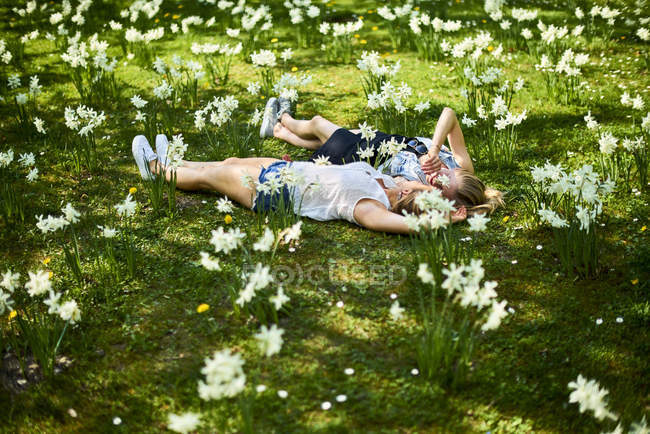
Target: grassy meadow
(137, 351)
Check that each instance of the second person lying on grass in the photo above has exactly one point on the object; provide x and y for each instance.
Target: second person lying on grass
(420, 159)
(354, 192)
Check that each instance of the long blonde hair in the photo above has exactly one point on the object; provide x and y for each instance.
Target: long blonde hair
(472, 194)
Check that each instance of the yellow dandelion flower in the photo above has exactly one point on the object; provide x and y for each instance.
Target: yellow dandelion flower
(370, 11)
(202, 308)
(356, 35)
(262, 97)
(360, 17)
(50, 274)
(227, 219)
(46, 260)
(13, 314)
(274, 40)
(363, 41)
(375, 28)
(166, 14)
(417, 8)
(643, 228)
(490, 48)
(157, 20)
(132, 190)
(395, 50)
(484, 21)
(180, 6)
(635, 281)
(506, 218)
(175, 17)
(622, 37)
(294, 69)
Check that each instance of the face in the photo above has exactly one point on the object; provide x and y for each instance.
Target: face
(449, 191)
(395, 194)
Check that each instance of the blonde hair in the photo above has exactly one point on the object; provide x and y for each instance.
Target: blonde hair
(407, 203)
(472, 194)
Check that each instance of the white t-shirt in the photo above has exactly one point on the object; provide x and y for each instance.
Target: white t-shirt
(332, 192)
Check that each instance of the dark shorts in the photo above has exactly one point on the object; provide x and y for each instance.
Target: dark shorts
(266, 201)
(343, 145)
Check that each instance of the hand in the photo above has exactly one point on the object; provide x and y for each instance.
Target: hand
(430, 164)
(459, 215)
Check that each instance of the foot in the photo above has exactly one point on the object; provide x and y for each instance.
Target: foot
(270, 118)
(161, 148)
(285, 107)
(143, 154)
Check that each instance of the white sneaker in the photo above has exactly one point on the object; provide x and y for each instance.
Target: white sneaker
(161, 149)
(270, 118)
(143, 154)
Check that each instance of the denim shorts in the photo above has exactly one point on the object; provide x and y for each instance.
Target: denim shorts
(266, 201)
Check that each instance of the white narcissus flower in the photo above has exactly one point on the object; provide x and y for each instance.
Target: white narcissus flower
(367, 131)
(292, 233)
(323, 160)
(126, 208)
(591, 122)
(32, 175)
(226, 241)
(396, 311)
(279, 299)
(265, 242)
(254, 87)
(478, 222)
(224, 205)
(497, 313)
(10, 280)
(69, 311)
(53, 302)
(366, 153)
(71, 214)
(40, 125)
(590, 396)
(107, 232)
(183, 423)
(209, 263)
(607, 143)
(39, 283)
(224, 376)
(269, 340)
(424, 274)
(27, 160)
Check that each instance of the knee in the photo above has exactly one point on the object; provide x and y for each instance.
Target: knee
(231, 160)
(317, 120)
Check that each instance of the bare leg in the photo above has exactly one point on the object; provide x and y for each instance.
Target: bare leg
(255, 161)
(225, 178)
(283, 133)
(316, 128)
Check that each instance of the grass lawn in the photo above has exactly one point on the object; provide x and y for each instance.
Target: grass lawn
(138, 350)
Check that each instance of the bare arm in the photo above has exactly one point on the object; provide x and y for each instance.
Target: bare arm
(374, 216)
(448, 128)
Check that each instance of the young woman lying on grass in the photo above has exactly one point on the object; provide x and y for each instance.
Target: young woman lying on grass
(422, 159)
(354, 192)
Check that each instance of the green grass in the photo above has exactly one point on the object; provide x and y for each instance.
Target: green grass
(138, 354)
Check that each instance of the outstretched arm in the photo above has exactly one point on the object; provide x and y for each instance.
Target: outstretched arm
(448, 128)
(374, 216)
